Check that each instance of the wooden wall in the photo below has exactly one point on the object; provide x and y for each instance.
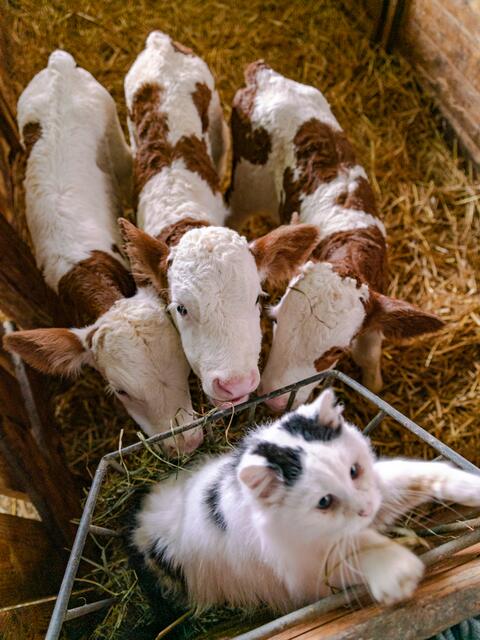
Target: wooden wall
(441, 39)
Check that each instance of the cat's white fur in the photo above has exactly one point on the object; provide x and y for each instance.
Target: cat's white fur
(277, 546)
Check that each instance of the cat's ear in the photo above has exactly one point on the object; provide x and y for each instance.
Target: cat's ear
(264, 482)
(324, 410)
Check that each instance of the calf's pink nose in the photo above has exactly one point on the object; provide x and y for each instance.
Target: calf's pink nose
(236, 386)
(278, 404)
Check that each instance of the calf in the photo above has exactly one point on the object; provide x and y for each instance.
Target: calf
(290, 155)
(77, 156)
(211, 274)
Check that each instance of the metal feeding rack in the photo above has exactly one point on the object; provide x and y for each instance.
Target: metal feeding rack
(469, 537)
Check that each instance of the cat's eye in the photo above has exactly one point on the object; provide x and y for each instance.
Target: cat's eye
(181, 310)
(258, 299)
(355, 470)
(325, 502)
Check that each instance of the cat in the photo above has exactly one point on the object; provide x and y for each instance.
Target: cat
(295, 512)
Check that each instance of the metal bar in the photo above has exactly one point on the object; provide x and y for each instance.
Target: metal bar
(218, 415)
(350, 595)
(436, 444)
(85, 609)
(374, 422)
(61, 603)
(103, 531)
(118, 467)
(251, 413)
(291, 400)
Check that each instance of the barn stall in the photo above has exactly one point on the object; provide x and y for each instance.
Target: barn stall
(413, 127)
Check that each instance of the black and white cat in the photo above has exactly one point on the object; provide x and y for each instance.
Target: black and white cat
(293, 512)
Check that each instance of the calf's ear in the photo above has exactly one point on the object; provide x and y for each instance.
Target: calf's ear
(280, 253)
(51, 351)
(399, 320)
(147, 255)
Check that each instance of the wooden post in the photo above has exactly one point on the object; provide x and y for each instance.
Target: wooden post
(40, 471)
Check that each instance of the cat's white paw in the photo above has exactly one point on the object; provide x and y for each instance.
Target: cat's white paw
(464, 489)
(395, 574)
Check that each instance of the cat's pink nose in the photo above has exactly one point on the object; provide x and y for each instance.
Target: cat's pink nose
(364, 513)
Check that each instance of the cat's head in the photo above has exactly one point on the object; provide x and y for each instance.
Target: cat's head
(311, 472)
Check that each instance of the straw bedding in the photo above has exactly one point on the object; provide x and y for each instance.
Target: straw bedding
(429, 200)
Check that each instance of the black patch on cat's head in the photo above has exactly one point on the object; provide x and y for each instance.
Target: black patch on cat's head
(212, 500)
(309, 428)
(285, 460)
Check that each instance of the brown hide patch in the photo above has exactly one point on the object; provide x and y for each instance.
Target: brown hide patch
(181, 48)
(328, 359)
(155, 152)
(148, 256)
(396, 319)
(172, 234)
(321, 152)
(31, 132)
(280, 253)
(360, 254)
(93, 285)
(360, 199)
(253, 144)
(52, 351)
(194, 153)
(201, 99)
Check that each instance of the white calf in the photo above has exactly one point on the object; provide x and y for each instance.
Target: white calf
(290, 155)
(77, 155)
(212, 275)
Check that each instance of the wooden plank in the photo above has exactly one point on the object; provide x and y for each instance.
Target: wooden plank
(441, 601)
(26, 622)
(30, 566)
(43, 475)
(457, 45)
(24, 296)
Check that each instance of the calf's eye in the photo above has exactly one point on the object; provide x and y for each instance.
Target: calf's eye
(181, 310)
(325, 502)
(355, 470)
(121, 392)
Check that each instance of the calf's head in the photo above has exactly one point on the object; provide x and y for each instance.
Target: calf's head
(319, 316)
(137, 350)
(214, 277)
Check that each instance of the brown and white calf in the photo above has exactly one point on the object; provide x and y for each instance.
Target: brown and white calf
(291, 155)
(212, 275)
(77, 160)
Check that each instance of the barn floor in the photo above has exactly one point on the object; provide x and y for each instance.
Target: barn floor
(429, 200)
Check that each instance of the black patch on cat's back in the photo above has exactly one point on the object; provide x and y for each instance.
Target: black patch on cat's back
(212, 500)
(287, 460)
(309, 428)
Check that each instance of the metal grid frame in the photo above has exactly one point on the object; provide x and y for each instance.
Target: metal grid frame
(61, 612)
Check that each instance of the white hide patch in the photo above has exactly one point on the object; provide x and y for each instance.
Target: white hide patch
(71, 202)
(174, 194)
(137, 349)
(320, 310)
(177, 74)
(214, 275)
(321, 209)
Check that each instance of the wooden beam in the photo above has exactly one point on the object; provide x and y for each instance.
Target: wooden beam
(30, 566)
(24, 296)
(441, 601)
(41, 471)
